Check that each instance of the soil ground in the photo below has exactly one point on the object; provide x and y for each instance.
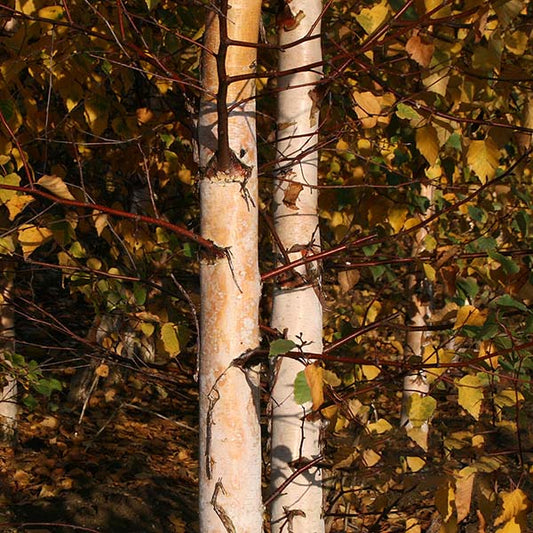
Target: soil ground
(129, 466)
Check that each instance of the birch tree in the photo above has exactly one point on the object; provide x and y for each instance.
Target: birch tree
(8, 399)
(415, 384)
(230, 436)
(296, 304)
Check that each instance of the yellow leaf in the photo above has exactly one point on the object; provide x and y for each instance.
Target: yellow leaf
(147, 328)
(17, 203)
(445, 499)
(373, 311)
(517, 42)
(483, 159)
(468, 315)
(515, 507)
(7, 245)
(170, 339)
(429, 271)
(331, 378)
(51, 12)
(314, 377)
(367, 108)
(420, 409)
(412, 526)
(31, 237)
(427, 142)
(370, 457)
(100, 222)
(437, 81)
(9, 179)
(470, 394)
(56, 186)
(433, 355)
(370, 19)
(379, 427)
(415, 464)
(370, 371)
(397, 217)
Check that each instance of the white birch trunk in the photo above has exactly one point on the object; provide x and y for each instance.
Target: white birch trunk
(8, 398)
(416, 382)
(230, 436)
(297, 310)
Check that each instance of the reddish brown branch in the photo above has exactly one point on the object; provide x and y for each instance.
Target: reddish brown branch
(183, 232)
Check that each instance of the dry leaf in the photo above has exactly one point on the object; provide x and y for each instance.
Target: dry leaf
(419, 50)
(291, 194)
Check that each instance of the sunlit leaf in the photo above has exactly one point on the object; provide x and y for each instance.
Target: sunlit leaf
(313, 374)
(468, 315)
(379, 427)
(170, 339)
(31, 237)
(515, 507)
(368, 108)
(470, 394)
(427, 143)
(372, 18)
(17, 203)
(56, 186)
(483, 158)
(51, 12)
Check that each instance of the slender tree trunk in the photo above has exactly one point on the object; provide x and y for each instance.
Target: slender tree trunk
(419, 316)
(296, 304)
(8, 399)
(230, 436)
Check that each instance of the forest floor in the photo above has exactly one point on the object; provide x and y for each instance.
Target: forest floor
(129, 466)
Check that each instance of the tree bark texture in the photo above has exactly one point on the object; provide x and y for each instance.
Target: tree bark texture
(230, 436)
(297, 308)
(419, 291)
(8, 398)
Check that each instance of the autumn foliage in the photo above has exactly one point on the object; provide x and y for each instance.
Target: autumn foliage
(98, 175)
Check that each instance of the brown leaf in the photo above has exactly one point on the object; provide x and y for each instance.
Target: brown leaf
(347, 279)
(419, 50)
(291, 195)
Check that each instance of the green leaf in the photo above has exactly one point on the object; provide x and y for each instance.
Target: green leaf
(407, 112)
(508, 301)
(30, 402)
(302, 392)
(509, 266)
(522, 220)
(281, 346)
(468, 287)
(139, 292)
(455, 141)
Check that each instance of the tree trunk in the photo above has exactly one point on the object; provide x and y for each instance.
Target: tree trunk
(230, 436)
(296, 304)
(419, 316)
(8, 400)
